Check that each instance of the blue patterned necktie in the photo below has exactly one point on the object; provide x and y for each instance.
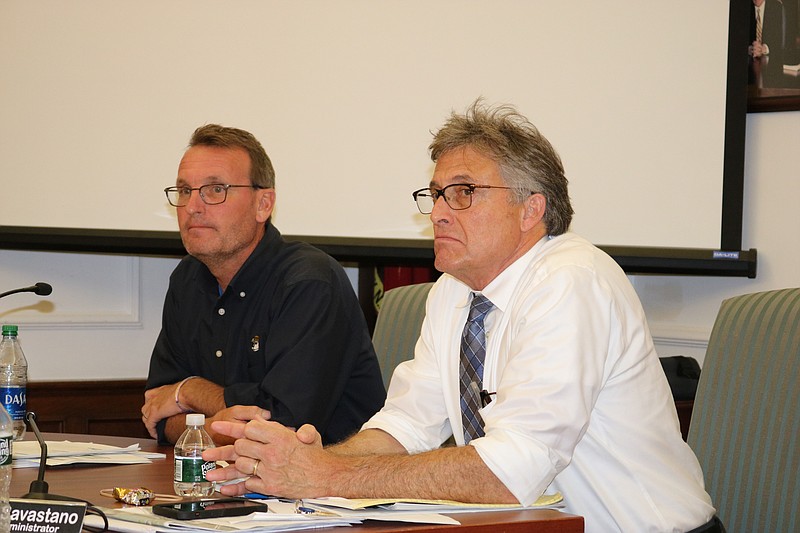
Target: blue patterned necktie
(473, 354)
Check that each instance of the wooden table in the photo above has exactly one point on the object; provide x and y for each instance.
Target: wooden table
(85, 482)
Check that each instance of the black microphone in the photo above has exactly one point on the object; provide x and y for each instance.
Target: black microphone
(42, 289)
(39, 487)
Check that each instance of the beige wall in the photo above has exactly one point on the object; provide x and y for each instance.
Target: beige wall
(681, 310)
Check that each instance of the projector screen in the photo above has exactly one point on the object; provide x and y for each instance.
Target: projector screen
(99, 99)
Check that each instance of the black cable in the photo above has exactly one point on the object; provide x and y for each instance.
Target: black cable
(96, 510)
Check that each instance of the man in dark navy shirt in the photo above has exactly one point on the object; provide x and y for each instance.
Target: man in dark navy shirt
(253, 325)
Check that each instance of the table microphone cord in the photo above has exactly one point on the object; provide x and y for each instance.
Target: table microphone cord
(39, 484)
(91, 509)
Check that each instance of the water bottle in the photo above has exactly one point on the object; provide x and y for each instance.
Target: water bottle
(190, 469)
(13, 379)
(6, 437)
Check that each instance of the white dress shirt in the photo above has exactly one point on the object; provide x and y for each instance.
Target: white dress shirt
(582, 405)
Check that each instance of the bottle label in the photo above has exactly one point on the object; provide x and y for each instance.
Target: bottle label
(192, 469)
(5, 450)
(14, 400)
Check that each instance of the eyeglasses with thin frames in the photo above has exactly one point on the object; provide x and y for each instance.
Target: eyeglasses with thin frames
(211, 194)
(457, 195)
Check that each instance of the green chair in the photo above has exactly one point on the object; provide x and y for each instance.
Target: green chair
(398, 325)
(745, 426)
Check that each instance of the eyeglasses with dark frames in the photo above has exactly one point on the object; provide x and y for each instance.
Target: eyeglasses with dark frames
(211, 194)
(457, 195)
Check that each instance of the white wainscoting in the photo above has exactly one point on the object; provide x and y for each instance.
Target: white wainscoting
(90, 292)
(105, 313)
(101, 320)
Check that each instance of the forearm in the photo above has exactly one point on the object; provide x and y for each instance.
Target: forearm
(368, 442)
(196, 395)
(199, 395)
(174, 427)
(447, 473)
(294, 465)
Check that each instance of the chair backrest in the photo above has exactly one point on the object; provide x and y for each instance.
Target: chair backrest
(745, 426)
(398, 325)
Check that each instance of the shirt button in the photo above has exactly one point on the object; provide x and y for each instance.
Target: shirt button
(221, 311)
(218, 353)
(242, 294)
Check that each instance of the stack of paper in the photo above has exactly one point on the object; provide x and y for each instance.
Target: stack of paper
(142, 520)
(282, 516)
(321, 512)
(26, 454)
(545, 501)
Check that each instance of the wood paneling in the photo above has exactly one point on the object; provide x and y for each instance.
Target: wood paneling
(89, 407)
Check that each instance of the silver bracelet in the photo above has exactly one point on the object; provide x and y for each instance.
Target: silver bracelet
(178, 392)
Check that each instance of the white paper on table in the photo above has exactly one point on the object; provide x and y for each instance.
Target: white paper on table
(281, 517)
(546, 501)
(29, 449)
(143, 520)
(426, 516)
(26, 454)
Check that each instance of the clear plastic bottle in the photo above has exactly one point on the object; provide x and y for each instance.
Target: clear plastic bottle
(190, 469)
(6, 438)
(13, 379)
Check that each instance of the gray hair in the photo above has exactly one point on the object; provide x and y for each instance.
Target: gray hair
(528, 162)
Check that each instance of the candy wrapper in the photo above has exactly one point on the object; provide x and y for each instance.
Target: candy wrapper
(140, 496)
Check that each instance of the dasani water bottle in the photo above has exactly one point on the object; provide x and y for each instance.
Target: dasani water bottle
(6, 438)
(13, 379)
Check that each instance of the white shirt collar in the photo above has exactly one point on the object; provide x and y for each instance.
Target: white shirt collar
(501, 288)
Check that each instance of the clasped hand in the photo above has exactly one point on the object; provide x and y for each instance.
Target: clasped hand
(275, 459)
(758, 49)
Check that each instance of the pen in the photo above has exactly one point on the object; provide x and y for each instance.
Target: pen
(257, 496)
(300, 508)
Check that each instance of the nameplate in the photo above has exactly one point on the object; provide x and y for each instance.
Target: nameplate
(46, 516)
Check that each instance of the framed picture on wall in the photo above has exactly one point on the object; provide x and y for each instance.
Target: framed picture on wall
(773, 55)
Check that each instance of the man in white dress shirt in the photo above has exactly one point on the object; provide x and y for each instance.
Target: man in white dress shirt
(572, 395)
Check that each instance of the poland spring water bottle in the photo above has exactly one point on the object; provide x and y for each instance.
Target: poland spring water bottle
(190, 469)
(6, 436)
(13, 379)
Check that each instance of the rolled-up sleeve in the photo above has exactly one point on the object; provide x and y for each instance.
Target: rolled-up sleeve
(414, 412)
(552, 363)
